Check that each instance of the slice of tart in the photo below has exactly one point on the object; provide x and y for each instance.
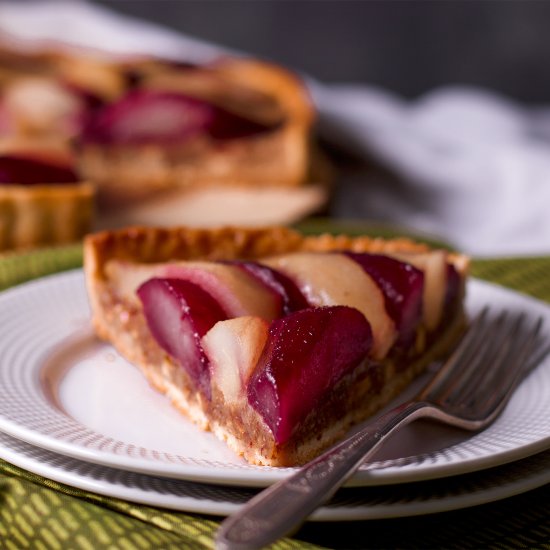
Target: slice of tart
(276, 342)
(42, 199)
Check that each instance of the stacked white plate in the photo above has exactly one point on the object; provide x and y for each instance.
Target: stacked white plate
(72, 410)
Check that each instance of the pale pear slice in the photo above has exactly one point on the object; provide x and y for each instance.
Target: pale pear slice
(233, 348)
(42, 105)
(434, 265)
(238, 292)
(126, 277)
(328, 279)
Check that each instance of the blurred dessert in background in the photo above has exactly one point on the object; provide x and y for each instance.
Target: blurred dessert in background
(165, 142)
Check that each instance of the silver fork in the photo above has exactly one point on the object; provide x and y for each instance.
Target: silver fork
(469, 391)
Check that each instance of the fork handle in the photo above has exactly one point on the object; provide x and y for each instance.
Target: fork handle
(283, 507)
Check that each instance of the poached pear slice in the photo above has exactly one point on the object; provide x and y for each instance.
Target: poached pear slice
(285, 290)
(402, 285)
(165, 117)
(21, 169)
(328, 279)
(179, 313)
(238, 292)
(233, 348)
(306, 354)
(434, 265)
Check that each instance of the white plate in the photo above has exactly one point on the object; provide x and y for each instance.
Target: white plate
(360, 503)
(62, 390)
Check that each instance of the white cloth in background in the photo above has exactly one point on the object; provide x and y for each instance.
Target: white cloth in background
(474, 166)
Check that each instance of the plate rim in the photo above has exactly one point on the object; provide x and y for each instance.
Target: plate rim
(64, 469)
(379, 473)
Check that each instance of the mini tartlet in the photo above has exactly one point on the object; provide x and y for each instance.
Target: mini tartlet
(42, 200)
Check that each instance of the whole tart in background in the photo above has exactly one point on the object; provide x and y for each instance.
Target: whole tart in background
(227, 142)
(165, 143)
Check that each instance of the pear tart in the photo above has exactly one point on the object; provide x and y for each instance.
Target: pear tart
(42, 200)
(276, 342)
(212, 143)
(234, 122)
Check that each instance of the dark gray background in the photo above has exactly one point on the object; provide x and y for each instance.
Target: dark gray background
(409, 47)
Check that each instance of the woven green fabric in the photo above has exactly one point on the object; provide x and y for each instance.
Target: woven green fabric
(527, 275)
(18, 268)
(39, 513)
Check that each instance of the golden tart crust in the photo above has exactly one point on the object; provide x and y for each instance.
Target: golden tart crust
(38, 215)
